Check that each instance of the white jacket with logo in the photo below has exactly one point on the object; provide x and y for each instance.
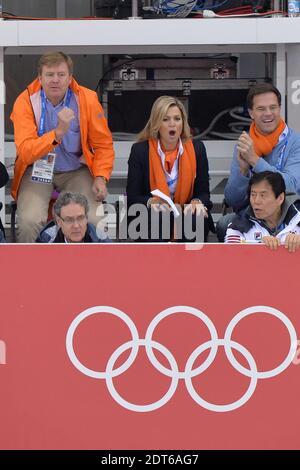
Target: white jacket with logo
(248, 229)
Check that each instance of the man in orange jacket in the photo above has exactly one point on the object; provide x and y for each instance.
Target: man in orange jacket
(63, 143)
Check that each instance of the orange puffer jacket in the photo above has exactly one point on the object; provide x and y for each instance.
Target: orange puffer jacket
(96, 139)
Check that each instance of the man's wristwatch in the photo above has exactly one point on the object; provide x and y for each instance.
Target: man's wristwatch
(104, 179)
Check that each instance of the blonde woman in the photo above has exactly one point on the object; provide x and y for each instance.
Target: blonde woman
(166, 158)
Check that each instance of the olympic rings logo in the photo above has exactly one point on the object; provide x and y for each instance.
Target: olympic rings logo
(189, 372)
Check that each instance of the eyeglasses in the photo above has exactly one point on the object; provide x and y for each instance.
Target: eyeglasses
(262, 109)
(74, 220)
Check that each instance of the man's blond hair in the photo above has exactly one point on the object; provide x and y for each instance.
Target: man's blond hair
(53, 58)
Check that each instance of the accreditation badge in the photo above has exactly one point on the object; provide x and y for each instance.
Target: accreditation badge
(43, 169)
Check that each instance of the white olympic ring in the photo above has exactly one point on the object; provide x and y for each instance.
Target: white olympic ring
(188, 372)
(93, 311)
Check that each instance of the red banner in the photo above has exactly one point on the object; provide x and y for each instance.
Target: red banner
(149, 347)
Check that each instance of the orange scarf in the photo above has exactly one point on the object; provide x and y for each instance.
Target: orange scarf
(186, 172)
(264, 144)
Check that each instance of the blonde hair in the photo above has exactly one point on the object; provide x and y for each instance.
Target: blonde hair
(158, 112)
(54, 58)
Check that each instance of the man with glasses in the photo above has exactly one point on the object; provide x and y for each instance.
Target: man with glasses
(70, 225)
(270, 145)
